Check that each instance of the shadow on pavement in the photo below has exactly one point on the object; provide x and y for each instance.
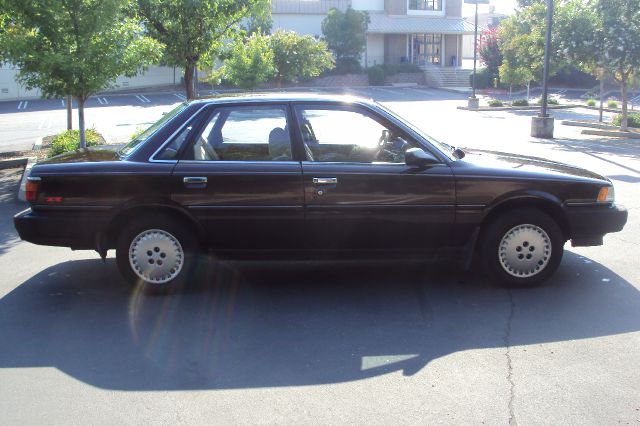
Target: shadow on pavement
(282, 324)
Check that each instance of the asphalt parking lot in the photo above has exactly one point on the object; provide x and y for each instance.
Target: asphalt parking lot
(332, 342)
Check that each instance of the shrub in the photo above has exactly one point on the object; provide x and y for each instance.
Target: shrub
(347, 66)
(376, 75)
(70, 141)
(553, 101)
(404, 67)
(137, 132)
(483, 79)
(612, 104)
(520, 102)
(633, 120)
(495, 103)
(591, 102)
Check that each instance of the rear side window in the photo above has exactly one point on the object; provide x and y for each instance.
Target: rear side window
(243, 133)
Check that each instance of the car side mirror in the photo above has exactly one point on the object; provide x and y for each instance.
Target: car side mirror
(418, 157)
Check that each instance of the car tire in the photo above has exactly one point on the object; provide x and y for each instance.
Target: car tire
(521, 248)
(157, 255)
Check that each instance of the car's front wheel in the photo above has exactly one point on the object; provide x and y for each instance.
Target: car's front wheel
(522, 248)
(156, 255)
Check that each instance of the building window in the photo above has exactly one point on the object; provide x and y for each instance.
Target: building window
(425, 48)
(425, 5)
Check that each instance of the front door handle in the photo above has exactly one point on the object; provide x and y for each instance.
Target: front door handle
(325, 181)
(195, 181)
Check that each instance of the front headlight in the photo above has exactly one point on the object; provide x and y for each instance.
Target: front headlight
(606, 195)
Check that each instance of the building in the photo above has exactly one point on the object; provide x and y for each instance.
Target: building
(424, 32)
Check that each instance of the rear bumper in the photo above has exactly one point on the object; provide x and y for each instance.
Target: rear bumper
(64, 228)
(588, 224)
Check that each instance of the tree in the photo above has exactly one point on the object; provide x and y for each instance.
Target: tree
(490, 53)
(74, 47)
(345, 34)
(259, 19)
(298, 57)
(193, 31)
(521, 40)
(250, 62)
(620, 29)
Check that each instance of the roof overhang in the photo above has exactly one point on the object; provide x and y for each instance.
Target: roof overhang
(389, 24)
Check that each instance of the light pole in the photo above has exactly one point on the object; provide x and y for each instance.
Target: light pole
(474, 102)
(542, 125)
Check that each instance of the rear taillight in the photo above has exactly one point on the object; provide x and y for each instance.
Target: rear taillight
(31, 190)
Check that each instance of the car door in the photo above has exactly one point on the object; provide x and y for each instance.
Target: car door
(238, 178)
(359, 193)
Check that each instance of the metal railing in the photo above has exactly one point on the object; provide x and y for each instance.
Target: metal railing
(308, 6)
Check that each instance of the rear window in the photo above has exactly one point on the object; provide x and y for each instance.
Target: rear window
(128, 148)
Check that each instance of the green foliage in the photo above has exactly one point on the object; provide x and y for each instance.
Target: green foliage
(297, 57)
(376, 75)
(633, 120)
(521, 40)
(259, 19)
(70, 141)
(550, 101)
(137, 132)
(194, 31)
(495, 103)
(520, 102)
(250, 62)
(490, 54)
(345, 34)
(612, 104)
(591, 103)
(347, 66)
(74, 47)
(483, 78)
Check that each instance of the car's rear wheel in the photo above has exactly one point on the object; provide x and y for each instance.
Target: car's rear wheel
(156, 255)
(521, 248)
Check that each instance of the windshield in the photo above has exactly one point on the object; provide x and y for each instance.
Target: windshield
(446, 149)
(128, 148)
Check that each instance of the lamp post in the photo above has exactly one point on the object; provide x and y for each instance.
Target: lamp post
(474, 102)
(542, 125)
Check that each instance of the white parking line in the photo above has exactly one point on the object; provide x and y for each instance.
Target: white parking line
(180, 96)
(63, 105)
(143, 99)
(103, 101)
(23, 105)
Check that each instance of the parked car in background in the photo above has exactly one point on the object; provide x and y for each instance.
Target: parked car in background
(297, 176)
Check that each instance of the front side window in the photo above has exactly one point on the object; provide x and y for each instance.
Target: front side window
(243, 133)
(425, 4)
(337, 134)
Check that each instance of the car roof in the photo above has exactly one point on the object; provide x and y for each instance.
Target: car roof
(282, 97)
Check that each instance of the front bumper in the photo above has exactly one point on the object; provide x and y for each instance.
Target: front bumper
(588, 224)
(64, 228)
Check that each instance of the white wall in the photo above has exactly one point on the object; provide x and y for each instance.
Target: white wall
(155, 76)
(10, 89)
(375, 49)
(302, 24)
(377, 5)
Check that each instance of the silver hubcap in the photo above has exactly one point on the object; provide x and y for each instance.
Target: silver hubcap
(525, 250)
(156, 256)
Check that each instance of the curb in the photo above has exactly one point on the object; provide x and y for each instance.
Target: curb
(37, 145)
(589, 124)
(12, 164)
(529, 108)
(624, 135)
(30, 162)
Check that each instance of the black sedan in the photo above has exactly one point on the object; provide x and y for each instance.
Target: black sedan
(299, 176)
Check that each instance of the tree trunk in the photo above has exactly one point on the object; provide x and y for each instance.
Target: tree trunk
(188, 81)
(69, 112)
(601, 97)
(83, 141)
(625, 96)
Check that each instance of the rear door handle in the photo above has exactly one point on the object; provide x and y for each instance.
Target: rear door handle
(325, 181)
(195, 181)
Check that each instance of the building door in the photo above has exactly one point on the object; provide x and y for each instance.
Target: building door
(425, 49)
